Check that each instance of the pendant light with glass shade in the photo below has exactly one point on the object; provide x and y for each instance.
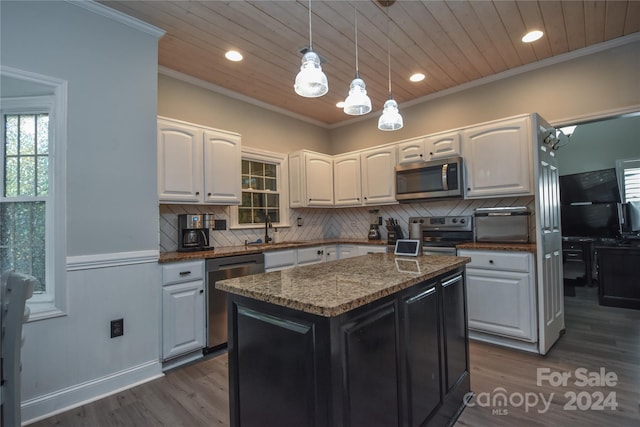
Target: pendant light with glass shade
(357, 103)
(311, 82)
(390, 118)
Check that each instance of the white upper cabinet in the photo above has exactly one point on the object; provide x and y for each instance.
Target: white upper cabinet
(222, 167)
(347, 187)
(378, 175)
(430, 147)
(198, 164)
(179, 162)
(498, 159)
(310, 179)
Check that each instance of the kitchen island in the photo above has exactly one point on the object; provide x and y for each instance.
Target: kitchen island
(375, 340)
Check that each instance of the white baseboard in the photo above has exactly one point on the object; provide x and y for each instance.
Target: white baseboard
(63, 400)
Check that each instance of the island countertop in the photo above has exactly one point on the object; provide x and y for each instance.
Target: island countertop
(332, 288)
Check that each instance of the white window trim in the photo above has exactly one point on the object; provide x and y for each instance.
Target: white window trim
(53, 303)
(621, 165)
(282, 171)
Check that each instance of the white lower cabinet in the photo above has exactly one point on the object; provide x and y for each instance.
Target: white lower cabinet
(289, 258)
(371, 249)
(501, 294)
(183, 308)
(280, 260)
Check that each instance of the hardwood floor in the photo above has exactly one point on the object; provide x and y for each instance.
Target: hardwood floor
(596, 338)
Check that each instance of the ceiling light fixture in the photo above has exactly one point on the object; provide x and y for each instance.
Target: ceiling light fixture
(417, 77)
(233, 55)
(311, 82)
(357, 103)
(390, 118)
(568, 130)
(532, 36)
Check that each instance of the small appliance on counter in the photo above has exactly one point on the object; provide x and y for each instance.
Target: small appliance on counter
(502, 224)
(394, 232)
(193, 232)
(374, 225)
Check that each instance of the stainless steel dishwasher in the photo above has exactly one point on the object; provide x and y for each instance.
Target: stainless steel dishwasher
(220, 269)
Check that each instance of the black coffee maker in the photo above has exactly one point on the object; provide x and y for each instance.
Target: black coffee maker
(193, 232)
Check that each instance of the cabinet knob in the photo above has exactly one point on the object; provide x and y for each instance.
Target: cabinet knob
(490, 261)
(365, 198)
(209, 194)
(197, 193)
(202, 291)
(431, 153)
(420, 154)
(358, 198)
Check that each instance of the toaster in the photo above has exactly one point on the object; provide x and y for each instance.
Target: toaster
(502, 224)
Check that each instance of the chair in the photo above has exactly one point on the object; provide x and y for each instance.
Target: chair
(16, 289)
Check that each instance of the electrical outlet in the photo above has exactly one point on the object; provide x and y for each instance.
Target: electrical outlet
(117, 328)
(219, 224)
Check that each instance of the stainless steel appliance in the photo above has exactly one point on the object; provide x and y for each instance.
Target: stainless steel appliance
(436, 179)
(220, 269)
(441, 234)
(502, 224)
(193, 232)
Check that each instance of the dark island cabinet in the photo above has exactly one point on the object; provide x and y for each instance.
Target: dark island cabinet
(399, 361)
(619, 276)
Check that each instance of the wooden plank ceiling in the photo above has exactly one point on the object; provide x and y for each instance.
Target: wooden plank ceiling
(452, 42)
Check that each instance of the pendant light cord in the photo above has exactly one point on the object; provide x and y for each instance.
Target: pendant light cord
(388, 52)
(355, 12)
(310, 37)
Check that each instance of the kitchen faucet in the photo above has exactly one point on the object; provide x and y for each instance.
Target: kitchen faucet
(267, 226)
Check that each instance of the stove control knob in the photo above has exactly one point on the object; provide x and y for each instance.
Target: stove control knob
(454, 220)
(462, 221)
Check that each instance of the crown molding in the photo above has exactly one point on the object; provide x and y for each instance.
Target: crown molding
(117, 16)
(590, 50)
(235, 95)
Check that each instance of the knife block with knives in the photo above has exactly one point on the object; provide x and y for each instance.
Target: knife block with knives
(394, 232)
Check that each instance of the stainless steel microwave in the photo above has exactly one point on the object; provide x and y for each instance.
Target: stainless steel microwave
(436, 179)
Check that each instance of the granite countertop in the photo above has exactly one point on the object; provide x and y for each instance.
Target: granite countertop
(499, 246)
(332, 288)
(225, 251)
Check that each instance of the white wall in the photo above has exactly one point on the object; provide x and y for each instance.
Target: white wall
(260, 128)
(595, 146)
(580, 87)
(111, 211)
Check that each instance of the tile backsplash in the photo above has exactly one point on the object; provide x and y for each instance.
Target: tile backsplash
(331, 223)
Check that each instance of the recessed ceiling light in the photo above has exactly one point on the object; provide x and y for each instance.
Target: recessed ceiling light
(532, 36)
(340, 104)
(233, 55)
(417, 77)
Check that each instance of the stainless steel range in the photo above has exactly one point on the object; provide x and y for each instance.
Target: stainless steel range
(441, 234)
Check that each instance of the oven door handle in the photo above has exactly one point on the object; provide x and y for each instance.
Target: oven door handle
(445, 183)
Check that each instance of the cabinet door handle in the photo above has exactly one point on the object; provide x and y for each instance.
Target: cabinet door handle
(421, 295)
(451, 281)
(185, 273)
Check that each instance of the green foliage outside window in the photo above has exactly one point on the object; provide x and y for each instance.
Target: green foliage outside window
(26, 187)
(259, 193)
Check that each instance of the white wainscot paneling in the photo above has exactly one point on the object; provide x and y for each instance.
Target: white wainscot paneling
(71, 360)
